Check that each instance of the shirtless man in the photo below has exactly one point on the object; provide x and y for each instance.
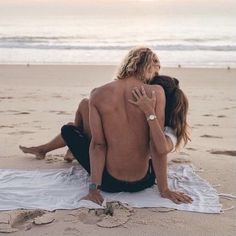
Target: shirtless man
(123, 136)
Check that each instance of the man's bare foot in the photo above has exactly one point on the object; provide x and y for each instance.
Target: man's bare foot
(68, 156)
(38, 152)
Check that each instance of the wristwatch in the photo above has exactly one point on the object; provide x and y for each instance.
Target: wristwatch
(151, 117)
(93, 186)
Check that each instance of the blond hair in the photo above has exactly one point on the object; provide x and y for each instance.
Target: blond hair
(139, 63)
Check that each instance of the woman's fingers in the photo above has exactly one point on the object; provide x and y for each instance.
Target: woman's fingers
(135, 95)
(137, 91)
(143, 91)
(132, 102)
(183, 198)
(186, 197)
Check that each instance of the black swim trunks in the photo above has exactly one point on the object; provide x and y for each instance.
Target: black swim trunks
(78, 144)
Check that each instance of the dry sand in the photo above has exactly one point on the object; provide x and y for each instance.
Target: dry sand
(36, 100)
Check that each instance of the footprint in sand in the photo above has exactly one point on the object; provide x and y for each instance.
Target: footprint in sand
(63, 113)
(6, 97)
(207, 115)
(114, 215)
(210, 136)
(221, 116)
(54, 158)
(6, 126)
(214, 125)
(199, 125)
(71, 231)
(60, 112)
(22, 219)
(191, 149)
(12, 111)
(57, 96)
(226, 152)
(183, 154)
(26, 218)
(22, 216)
(22, 113)
(21, 132)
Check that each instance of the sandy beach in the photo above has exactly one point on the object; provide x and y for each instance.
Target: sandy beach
(36, 100)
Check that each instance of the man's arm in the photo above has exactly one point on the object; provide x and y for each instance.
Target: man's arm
(97, 152)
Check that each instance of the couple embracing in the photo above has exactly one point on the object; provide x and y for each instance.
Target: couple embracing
(121, 136)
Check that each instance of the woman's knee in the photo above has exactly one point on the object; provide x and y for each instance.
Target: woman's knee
(83, 105)
(67, 129)
(70, 123)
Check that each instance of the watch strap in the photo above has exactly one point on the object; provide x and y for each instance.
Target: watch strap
(93, 186)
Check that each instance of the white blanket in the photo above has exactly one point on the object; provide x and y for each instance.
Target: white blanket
(62, 189)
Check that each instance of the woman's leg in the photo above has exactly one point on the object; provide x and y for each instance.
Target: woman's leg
(78, 143)
(41, 150)
(81, 120)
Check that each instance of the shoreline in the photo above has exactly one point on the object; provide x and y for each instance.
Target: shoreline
(179, 66)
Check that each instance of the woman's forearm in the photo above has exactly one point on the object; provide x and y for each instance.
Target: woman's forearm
(157, 135)
(160, 168)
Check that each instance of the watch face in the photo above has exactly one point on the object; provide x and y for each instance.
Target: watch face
(151, 117)
(92, 186)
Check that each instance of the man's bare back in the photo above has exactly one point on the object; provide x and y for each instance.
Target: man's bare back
(125, 128)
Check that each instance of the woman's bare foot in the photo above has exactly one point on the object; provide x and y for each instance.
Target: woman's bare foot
(68, 156)
(37, 151)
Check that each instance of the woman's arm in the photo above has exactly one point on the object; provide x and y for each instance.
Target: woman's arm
(160, 144)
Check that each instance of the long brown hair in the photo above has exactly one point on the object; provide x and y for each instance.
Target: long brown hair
(176, 107)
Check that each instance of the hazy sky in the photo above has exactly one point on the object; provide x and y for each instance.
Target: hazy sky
(39, 7)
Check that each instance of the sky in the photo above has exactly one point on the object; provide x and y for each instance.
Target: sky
(41, 7)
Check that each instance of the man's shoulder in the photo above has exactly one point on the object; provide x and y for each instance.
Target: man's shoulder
(102, 91)
(157, 88)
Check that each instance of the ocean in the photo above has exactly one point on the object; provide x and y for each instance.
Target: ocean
(99, 37)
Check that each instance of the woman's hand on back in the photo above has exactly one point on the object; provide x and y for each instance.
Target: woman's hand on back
(143, 102)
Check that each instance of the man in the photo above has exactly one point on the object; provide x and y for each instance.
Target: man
(124, 137)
